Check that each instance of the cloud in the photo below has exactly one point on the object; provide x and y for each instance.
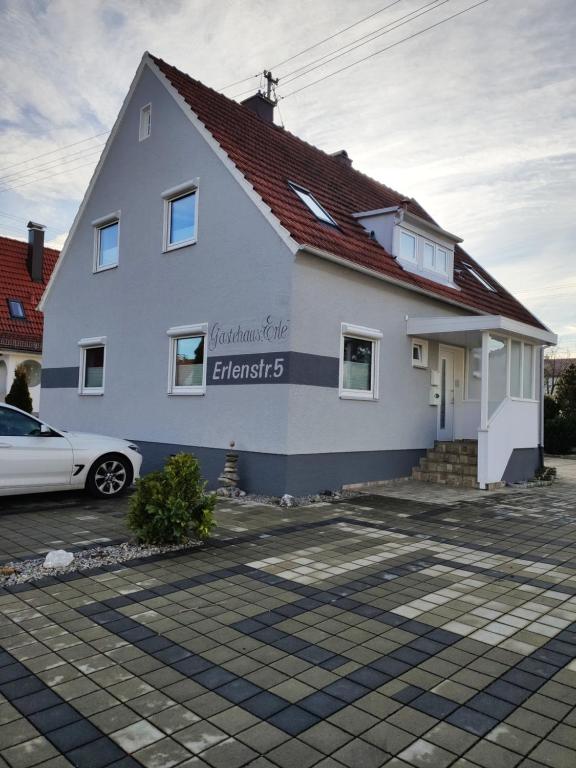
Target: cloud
(476, 118)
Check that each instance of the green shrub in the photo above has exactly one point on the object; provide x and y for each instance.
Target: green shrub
(559, 434)
(551, 408)
(171, 504)
(19, 395)
(566, 392)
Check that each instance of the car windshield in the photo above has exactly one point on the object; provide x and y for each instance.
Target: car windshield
(15, 424)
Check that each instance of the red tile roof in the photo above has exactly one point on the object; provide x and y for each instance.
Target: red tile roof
(16, 283)
(269, 156)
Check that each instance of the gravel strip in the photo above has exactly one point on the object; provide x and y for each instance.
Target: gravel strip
(23, 571)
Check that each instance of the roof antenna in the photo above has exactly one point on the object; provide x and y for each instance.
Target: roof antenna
(271, 82)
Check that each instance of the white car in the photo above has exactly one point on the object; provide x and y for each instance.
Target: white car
(35, 458)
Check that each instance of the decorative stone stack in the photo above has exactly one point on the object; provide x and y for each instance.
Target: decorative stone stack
(452, 463)
(228, 479)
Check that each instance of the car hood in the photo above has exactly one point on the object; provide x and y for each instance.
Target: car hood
(89, 439)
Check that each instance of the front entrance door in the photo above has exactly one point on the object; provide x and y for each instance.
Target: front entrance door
(450, 366)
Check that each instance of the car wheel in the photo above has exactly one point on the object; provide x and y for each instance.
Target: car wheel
(109, 476)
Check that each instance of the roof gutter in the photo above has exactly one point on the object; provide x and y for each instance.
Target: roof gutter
(312, 250)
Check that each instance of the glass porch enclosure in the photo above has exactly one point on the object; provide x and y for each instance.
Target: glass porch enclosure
(500, 403)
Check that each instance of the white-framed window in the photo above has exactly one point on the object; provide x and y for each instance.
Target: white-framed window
(359, 362)
(187, 366)
(420, 253)
(511, 370)
(145, 122)
(92, 366)
(521, 370)
(407, 246)
(419, 353)
(312, 204)
(434, 257)
(106, 242)
(180, 216)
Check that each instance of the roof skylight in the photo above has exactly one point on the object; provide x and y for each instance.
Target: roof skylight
(479, 277)
(312, 204)
(16, 309)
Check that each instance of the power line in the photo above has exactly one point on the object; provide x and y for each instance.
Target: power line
(53, 151)
(387, 48)
(316, 45)
(372, 35)
(10, 216)
(10, 184)
(49, 176)
(331, 37)
(10, 178)
(238, 82)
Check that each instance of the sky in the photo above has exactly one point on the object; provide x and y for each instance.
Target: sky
(475, 118)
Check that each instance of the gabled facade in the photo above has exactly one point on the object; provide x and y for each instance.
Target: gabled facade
(225, 282)
(25, 269)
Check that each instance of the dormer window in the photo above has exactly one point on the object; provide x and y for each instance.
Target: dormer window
(407, 246)
(418, 244)
(16, 309)
(417, 252)
(434, 257)
(479, 277)
(312, 204)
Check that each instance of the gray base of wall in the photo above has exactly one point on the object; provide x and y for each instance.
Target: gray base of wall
(522, 465)
(276, 474)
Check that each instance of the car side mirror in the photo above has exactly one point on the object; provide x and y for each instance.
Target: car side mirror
(45, 430)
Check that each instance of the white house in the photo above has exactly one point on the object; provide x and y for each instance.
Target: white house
(24, 271)
(225, 281)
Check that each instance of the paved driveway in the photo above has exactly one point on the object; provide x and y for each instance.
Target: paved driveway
(379, 631)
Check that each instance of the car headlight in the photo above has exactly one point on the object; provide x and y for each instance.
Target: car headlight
(134, 447)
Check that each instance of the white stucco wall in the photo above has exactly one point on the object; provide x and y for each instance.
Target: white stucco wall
(237, 272)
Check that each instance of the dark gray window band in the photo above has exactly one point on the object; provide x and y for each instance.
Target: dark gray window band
(263, 368)
(60, 378)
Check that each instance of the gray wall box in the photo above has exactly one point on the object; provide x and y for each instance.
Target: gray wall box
(522, 465)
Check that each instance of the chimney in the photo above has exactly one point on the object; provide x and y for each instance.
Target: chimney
(261, 105)
(342, 157)
(35, 250)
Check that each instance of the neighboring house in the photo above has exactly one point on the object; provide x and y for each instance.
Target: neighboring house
(554, 367)
(225, 281)
(25, 268)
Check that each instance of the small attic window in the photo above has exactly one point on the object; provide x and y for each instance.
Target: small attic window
(479, 277)
(16, 309)
(145, 122)
(312, 204)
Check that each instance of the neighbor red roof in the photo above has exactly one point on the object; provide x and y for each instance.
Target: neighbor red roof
(269, 156)
(16, 283)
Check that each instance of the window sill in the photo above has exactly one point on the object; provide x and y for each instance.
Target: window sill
(177, 246)
(105, 269)
(421, 366)
(88, 393)
(368, 397)
(186, 392)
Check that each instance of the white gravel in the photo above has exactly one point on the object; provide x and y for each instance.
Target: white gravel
(86, 559)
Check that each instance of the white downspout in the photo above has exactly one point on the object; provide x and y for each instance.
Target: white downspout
(484, 399)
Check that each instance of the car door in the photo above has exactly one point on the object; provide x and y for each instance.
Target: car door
(29, 458)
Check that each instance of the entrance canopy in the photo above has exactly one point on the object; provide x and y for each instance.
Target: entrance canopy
(466, 330)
